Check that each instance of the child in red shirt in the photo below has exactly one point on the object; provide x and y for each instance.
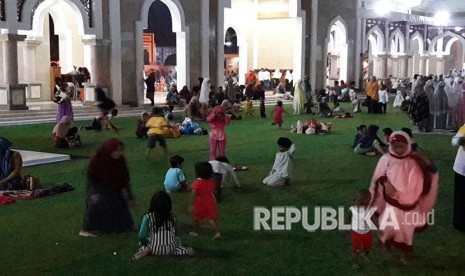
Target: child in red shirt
(203, 205)
(278, 114)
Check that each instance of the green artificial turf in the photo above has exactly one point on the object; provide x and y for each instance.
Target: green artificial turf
(41, 236)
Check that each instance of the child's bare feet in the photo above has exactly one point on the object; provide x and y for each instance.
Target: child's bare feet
(86, 234)
(141, 254)
(356, 266)
(403, 259)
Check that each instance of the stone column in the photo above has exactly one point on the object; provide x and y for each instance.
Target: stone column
(382, 63)
(100, 71)
(440, 65)
(214, 33)
(10, 57)
(403, 67)
(423, 62)
(12, 94)
(29, 56)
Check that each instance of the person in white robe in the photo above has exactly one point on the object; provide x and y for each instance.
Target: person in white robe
(282, 168)
(299, 98)
(205, 91)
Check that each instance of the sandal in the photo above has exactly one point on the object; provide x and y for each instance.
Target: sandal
(239, 168)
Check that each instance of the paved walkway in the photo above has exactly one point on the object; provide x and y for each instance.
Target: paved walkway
(45, 112)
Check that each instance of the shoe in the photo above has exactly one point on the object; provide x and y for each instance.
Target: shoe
(86, 234)
(195, 234)
(371, 153)
(216, 236)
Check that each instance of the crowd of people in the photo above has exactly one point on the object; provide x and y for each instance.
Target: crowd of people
(404, 180)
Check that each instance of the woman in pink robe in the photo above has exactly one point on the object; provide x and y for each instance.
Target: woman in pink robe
(404, 190)
(218, 121)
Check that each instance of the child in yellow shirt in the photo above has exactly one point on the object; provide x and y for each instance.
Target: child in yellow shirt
(156, 125)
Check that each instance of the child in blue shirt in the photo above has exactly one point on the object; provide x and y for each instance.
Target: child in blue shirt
(175, 179)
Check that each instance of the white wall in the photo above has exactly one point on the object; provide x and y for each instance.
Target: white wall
(276, 40)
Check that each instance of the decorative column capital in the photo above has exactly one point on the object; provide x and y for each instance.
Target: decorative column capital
(12, 37)
(96, 42)
(33, 42)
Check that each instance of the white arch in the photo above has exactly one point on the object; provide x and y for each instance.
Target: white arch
(338, 44)
(419, 37)
(182, 40)
(435, 40)
(176, 11)
(231, 21)
(34, 28)
(397, 38)
(449, 45)
(376, 37)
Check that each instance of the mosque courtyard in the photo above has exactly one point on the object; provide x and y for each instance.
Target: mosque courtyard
(40, 236)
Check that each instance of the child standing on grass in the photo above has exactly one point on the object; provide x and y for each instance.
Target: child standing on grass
(360, 231)
(248, 107)
(218, 120)
(262, 107)
(156, 125)
(203, 206)
(175, 179)
(383, 99)
(157, 234)
(278, 114)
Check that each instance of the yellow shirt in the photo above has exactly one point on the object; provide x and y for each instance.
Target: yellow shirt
(156, 125)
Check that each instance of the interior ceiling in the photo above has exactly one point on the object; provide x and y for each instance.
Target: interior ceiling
(435, 5)
(428, 6)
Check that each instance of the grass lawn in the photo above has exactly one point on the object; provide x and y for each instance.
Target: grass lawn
(41, 236)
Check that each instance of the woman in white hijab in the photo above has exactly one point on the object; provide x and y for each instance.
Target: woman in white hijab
(205, 91)
(440, 106)
(299, 97)
(453, 98)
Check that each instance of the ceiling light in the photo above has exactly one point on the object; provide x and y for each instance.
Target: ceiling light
(383, 7)
(441, 18)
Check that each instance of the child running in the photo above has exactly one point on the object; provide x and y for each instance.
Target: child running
(278, 114)
(175, 179)
(156, 125)
(157, 234)
(203, 206)
(360, 234)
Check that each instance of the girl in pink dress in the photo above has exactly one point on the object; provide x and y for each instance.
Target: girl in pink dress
(404, 190)
(203, 205)
(218, 120)
(278, 114)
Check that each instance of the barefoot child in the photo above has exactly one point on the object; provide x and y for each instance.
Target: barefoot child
(157, 232)
(203, 206)
(278, 114)
(175, 179)
(360, 234)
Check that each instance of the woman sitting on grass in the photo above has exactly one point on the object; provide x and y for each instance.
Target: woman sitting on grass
(370, 143)
(157, 234)
(64, 131)
(11, 164)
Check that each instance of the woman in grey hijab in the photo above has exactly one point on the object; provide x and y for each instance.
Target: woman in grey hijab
(440, 106)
